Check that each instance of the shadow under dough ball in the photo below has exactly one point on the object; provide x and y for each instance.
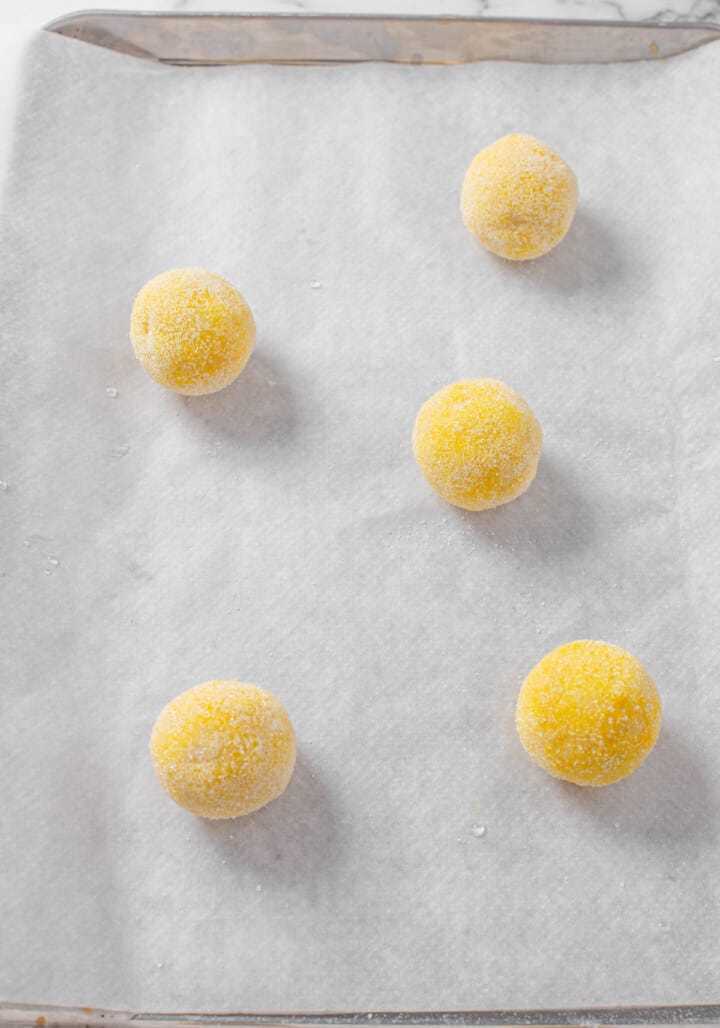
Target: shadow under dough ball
(519, 198)
(192, 331)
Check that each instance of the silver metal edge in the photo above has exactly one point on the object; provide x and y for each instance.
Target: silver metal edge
(577, 23)
(29, 1016)
(638, 39)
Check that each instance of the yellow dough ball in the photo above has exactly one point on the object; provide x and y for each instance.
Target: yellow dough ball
(192, 331)
(589, 713)
(222, 749)
(477, 443)
(519, 198)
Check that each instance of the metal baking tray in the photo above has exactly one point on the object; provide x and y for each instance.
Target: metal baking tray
(206, 39)
(223, 39)
(28, 1016)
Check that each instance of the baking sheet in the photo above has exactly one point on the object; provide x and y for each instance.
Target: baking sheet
(280, 533)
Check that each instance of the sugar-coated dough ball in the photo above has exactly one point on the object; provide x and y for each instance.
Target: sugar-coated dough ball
(192, 331)
(477, 443)
(519, 198)
(222, 749)
(589, 713)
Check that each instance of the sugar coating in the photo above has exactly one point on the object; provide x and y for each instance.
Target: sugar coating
(223, 748)
(192, 331)
(477, 443)
(519, 198)
(589, 713)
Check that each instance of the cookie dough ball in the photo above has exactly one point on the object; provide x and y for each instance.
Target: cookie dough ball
(222, 749)
(519, 198)
(192, 331)
(589, 713)
(477, 443)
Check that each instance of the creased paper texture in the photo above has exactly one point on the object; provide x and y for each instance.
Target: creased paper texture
(280, 533)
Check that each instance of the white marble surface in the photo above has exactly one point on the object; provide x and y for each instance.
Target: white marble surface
(41, 11)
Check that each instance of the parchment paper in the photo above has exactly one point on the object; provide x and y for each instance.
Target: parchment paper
(280, 533)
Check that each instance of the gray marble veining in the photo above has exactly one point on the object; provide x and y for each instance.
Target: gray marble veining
(631, 10)
(42, 11)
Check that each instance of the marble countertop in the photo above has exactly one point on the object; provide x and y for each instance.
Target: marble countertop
(42, 11)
